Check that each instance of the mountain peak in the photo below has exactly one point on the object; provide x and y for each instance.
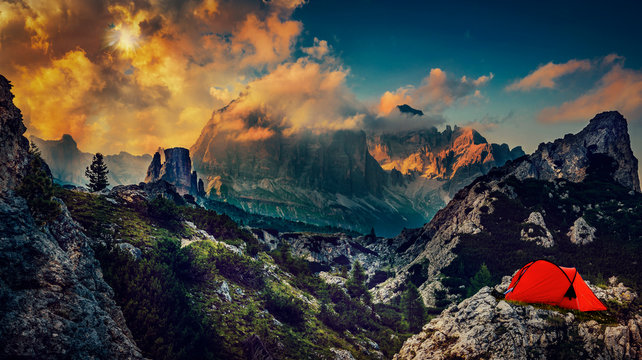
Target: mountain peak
(570, 157)
(68, 139)
(407, 109)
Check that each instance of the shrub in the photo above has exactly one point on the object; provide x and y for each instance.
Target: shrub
(165, 213)
(285, 307)
(37, 188)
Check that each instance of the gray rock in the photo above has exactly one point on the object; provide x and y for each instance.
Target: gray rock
(581, 233)
(342, 354)
(224, 291)
(174, 166)
(54, 301)
(131, 249)
(484, 327)
(544, 239)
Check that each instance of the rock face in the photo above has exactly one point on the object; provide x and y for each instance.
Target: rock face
(54, 302)
(569, 158)
(13, 146)
(174, 166)
(458, 155)
(602, 146)
(484, 327)
(68, 163)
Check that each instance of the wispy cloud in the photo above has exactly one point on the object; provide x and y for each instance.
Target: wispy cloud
(546, 75)
(619, 89)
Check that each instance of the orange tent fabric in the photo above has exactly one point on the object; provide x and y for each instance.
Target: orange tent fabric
(543, 282)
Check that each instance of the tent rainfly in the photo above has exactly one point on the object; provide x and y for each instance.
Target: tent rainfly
(543, 282)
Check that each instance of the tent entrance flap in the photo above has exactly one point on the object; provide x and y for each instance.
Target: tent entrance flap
(570, 293)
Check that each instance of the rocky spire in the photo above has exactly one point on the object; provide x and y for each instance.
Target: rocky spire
(176, 169)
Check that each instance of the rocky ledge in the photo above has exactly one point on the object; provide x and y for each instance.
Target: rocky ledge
(486, 326)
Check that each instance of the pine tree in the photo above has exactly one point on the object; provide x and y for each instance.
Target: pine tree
(482, 278)
(356, 285)
(97, 173)
(414, 310)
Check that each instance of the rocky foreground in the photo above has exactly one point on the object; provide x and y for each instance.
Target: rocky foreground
(486, 326)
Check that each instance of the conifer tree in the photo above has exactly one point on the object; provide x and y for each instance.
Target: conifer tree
(356, 285)
(414, 310)
(482, 278)
(97, 173)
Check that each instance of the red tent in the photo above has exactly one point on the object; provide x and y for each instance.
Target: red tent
(543, 282)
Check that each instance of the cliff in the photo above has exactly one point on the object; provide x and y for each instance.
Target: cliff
(54, 302)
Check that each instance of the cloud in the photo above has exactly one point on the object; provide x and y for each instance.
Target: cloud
(436, 92)
(619, 89)
(546, 75)
(122, 75)
(319, 50)
(490, 122)
(296, 97)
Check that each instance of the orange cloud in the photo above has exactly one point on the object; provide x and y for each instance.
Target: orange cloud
(50, 96)
(265, 42)
(436, 92)
(296, 96)
(131, 76)
(546, 75)
(619, 89)
(319, 50)
(390, 100)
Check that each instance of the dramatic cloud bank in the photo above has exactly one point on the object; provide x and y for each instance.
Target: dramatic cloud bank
(123, 75)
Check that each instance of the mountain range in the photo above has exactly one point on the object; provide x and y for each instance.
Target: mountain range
(68, 163)
(344, 178)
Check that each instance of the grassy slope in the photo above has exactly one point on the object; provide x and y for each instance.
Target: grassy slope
(171, 298)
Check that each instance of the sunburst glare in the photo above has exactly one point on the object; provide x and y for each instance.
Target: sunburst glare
(125, 39)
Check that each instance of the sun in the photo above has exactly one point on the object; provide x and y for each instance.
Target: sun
(123, 38)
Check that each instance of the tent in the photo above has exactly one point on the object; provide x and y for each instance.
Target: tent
(543, 282)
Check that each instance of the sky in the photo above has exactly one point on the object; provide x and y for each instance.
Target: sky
(136, 75)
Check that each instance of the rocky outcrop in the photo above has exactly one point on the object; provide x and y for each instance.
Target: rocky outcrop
(54, 302)
(14, 158)
(570, 157)
(68, 163)
(581, 232)
(536, 230)
(485, 326)
(174, 166)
